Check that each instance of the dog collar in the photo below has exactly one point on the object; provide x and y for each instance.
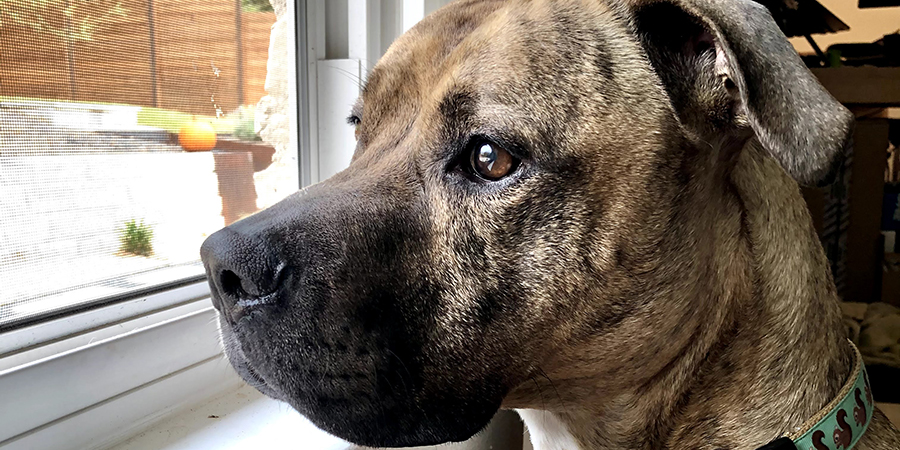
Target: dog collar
(841, 423)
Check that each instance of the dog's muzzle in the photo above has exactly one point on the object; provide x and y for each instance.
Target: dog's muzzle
(323, 304)
(244, 276)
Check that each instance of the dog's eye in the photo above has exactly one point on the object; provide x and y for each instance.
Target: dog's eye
(491, 162)
(355, 122)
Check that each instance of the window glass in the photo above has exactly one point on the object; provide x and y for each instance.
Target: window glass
(128, 133)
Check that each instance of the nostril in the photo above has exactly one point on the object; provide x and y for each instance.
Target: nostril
(244, 272)
(231, 285)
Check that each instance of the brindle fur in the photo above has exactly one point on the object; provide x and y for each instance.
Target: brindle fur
(649, 276)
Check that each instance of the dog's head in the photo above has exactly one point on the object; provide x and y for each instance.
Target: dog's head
(527, 182)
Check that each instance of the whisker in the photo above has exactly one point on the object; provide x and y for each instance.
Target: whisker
(353, 77)
(540, 392)
(561, 401)
(405, 387)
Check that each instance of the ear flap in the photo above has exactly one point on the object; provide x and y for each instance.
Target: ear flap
(727, 66)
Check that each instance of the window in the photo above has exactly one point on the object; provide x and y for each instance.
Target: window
(105, 320)
(128, 133)
(107, 191)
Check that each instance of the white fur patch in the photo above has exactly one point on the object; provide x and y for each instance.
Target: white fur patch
(547, 431)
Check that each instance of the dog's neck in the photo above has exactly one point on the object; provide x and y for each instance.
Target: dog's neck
(754, 361)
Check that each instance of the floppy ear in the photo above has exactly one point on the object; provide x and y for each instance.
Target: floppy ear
(729, 70)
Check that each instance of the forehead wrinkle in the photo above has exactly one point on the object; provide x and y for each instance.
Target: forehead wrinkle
(400, 84)
(404, 90)
(496, 84)
(447, 79)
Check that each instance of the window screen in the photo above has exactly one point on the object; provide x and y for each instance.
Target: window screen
(126, 137)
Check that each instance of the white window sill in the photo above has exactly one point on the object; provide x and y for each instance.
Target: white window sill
(238, 420)
(244, 419)
(94, 378)
(131, 376)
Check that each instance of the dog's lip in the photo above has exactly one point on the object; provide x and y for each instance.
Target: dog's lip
(254, 379)
(254, 375)
(243, 367)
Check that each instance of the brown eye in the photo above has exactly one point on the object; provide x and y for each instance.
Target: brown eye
(491, 162)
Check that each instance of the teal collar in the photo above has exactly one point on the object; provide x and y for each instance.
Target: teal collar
(842, 422)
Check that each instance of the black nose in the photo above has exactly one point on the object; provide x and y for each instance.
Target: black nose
(243, 272)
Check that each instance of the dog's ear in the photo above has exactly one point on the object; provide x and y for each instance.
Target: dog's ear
(729, 70)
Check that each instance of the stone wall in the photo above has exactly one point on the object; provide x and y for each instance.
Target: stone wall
(273, 114)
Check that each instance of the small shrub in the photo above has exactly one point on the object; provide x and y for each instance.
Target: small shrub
(256, 6)
(244, 124)
(136, 238)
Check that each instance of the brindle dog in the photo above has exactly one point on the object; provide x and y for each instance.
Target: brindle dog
(585, 210)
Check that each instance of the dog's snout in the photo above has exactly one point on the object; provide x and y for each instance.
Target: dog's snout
(243, 272)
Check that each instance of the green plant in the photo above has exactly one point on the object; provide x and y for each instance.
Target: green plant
(172, 121)
(245, 124)
(136, 238)
(256, 6)
(166, 119)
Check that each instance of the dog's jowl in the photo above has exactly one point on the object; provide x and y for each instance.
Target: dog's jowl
(585, 210)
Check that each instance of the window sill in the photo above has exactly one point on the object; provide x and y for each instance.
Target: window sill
(240, 419)
(98, 384)
(58, 335)
(245, 419)
(139, 379)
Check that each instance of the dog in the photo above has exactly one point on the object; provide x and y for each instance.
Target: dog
(584, 210)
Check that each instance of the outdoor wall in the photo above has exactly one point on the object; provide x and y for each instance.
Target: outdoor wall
(273, 113)
(161, 53)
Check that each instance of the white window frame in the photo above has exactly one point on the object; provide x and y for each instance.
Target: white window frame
(90, 394)
(90, 379)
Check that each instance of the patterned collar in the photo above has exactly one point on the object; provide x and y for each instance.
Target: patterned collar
(841, 423)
